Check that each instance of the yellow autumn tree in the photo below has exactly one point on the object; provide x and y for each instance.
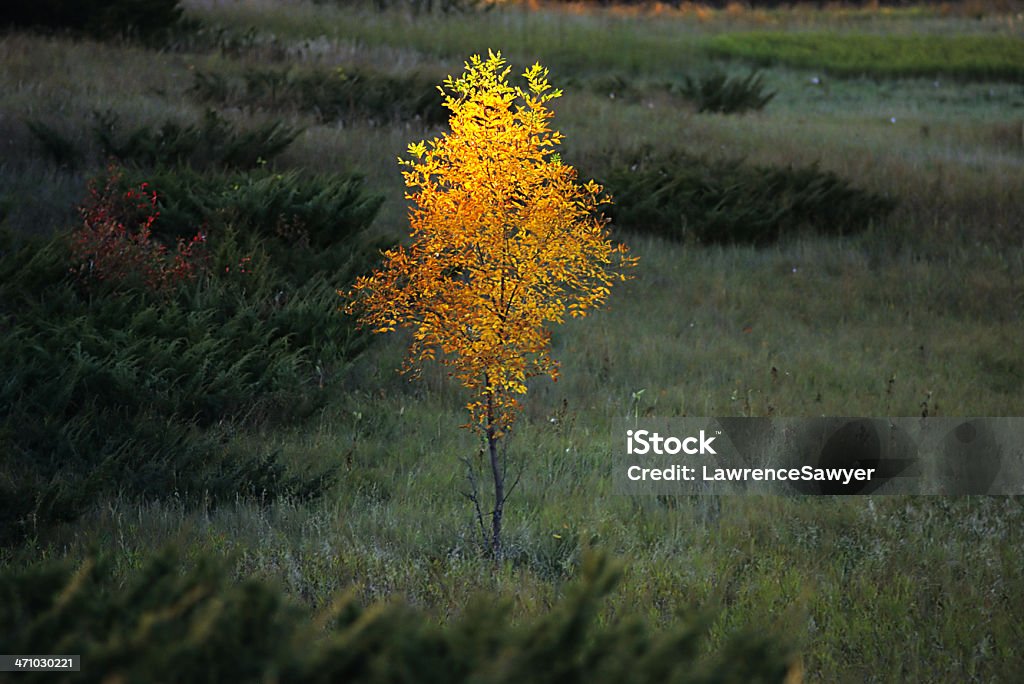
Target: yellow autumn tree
(504, 242)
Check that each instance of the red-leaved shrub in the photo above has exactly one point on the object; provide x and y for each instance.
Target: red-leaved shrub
(115, 243)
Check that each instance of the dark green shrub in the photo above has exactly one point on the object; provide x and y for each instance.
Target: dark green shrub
(714, 201)
(55, 145)
(133, 392)
(613, 85)
(201, 625)
(715, 92)
(233, 42)
(108, 387)
(723, 94)
(310, 226)
(100, 18)
(214, 141)
(318, 210)
(330, 95)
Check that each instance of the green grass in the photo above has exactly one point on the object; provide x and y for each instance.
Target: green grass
(957, 56)
(920, 312)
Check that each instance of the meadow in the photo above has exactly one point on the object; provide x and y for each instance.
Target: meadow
(243, 417)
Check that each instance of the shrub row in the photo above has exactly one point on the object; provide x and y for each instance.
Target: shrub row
(300, 209)
(715, 92)
(201, 625)
(213, 142)
(330, 95)
(686, 197)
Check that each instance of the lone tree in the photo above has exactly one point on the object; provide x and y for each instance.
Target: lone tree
(504, 242)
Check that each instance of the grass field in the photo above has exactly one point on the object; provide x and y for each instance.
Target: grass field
(918, 313)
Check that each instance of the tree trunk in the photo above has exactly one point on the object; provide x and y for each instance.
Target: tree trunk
(499, 482)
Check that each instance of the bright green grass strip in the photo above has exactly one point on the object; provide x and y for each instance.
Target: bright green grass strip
(964, 57)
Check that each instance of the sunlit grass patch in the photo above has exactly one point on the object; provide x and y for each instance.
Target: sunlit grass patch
(960, 56)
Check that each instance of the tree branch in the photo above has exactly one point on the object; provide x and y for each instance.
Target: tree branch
(474, 496)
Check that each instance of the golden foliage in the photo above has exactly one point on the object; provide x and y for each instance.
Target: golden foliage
(504, 242)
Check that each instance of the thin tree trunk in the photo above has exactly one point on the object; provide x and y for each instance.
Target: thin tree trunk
(499, 482)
